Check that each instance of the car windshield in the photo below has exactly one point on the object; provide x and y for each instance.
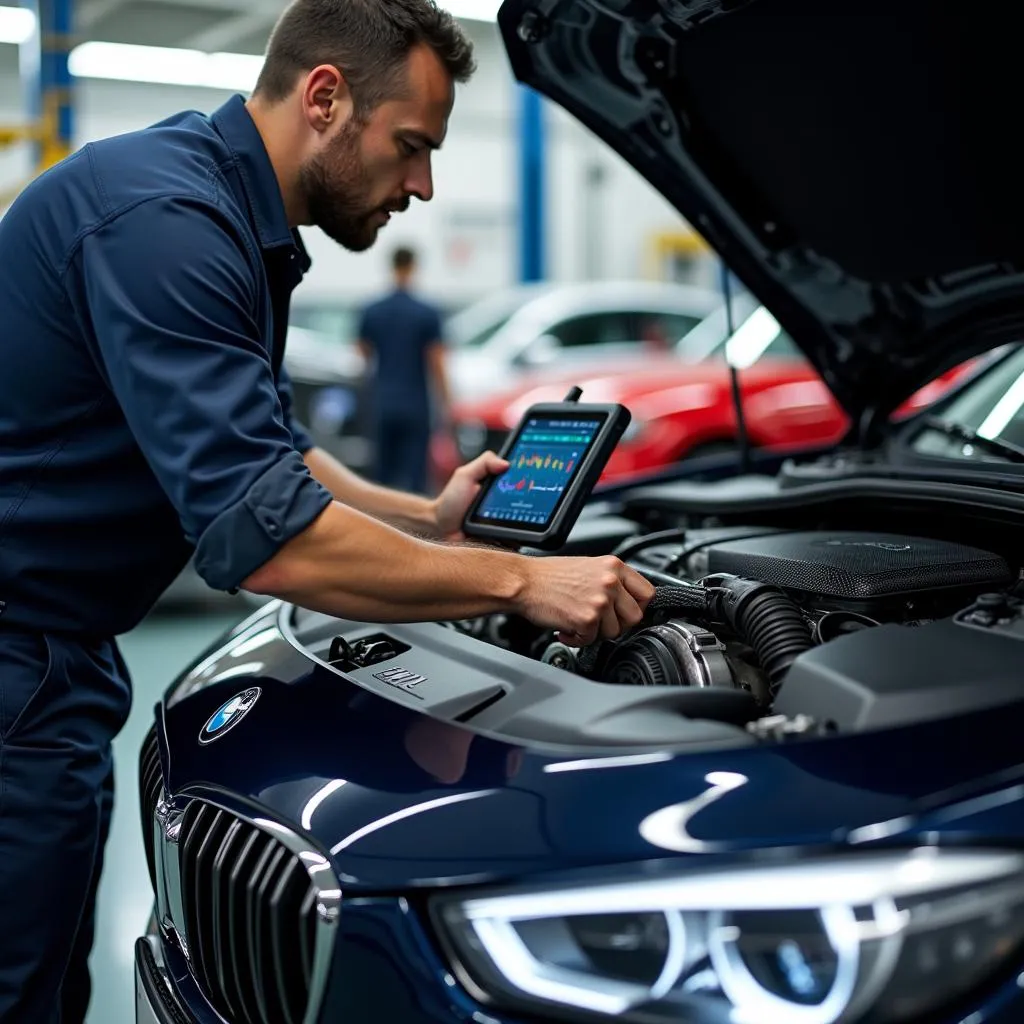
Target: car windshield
(985, 422)
(475, 325)
(756, 333)
(480, 337)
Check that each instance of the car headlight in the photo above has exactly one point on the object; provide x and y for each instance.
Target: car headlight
(866, 937)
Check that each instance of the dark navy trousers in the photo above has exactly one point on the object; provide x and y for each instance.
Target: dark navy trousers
(403, 441)
(62, 701)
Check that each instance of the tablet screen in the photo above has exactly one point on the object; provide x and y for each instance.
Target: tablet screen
(544, 460)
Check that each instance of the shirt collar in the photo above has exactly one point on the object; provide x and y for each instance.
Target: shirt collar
(305, 262)
(238, 130)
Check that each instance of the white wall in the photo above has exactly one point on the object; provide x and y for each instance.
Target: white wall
(467, 235)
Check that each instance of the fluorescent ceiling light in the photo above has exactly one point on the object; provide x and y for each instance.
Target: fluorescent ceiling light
(236, 72)
(161, 65)
(16, 25)
(473, 10)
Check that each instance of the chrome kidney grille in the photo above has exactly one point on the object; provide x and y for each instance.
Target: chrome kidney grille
(254, 907)
(151, 785)
(250, 917)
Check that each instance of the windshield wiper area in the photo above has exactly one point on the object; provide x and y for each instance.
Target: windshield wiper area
(1006, 449)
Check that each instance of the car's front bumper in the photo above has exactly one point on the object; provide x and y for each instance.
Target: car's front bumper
(162, 995)
(154, 1002)
(391, 973)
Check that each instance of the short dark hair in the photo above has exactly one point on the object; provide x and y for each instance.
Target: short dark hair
(403, 258)
(367, 40)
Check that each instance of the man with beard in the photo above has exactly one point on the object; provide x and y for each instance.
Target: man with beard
(400, 336)
(145, 417)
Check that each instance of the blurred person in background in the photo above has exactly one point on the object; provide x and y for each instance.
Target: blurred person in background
(401, 339)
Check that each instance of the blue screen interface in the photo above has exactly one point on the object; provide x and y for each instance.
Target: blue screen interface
(542, 464)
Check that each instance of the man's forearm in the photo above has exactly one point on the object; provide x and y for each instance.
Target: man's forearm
(409, 512)
(350, 565)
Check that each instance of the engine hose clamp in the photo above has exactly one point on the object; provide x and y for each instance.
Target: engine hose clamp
(699, 653)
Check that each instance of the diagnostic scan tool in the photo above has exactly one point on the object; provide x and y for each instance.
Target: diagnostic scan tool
(556, 455)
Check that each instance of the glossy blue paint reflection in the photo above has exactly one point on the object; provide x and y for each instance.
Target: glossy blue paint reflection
(392, 972)
(413, 800)
(405, 805)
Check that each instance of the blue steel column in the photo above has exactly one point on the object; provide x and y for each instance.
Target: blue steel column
(53, 88)
(30, 67)
(532, 187)
(63, 39)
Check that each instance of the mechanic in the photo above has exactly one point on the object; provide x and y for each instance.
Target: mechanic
(400, 338)
(145, 417)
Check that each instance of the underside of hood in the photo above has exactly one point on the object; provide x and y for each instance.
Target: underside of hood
(853, 164)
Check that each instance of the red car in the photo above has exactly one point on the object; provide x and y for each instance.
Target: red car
(681, 401)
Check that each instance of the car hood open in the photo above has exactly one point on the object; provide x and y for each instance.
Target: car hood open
(853, 165)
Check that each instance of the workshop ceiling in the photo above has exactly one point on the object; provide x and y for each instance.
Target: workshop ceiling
(240, 26)
(144, 22)
(198, 43)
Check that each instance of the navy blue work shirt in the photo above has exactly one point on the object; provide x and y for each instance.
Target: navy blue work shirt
(144, 411)
(400, 329)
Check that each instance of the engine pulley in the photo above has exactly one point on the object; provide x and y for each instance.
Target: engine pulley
(561, 656)
(674, 653)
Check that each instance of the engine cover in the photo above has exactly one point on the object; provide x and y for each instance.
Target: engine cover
(859, 568)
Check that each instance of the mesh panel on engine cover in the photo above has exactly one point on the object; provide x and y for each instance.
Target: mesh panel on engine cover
(857, 565)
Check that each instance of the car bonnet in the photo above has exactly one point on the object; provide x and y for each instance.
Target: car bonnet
(852, 164)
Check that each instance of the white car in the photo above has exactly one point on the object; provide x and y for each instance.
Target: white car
(519, 330)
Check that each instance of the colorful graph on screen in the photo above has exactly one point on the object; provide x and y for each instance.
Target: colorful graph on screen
(541, 466)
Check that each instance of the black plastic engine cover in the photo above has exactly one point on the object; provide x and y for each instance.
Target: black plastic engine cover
(899, 675)
(859, 567)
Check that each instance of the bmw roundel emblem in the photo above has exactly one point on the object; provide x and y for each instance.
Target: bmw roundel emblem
(229, 714)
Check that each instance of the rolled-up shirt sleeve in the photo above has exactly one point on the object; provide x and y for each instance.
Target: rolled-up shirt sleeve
(169, 291)
(301, 437)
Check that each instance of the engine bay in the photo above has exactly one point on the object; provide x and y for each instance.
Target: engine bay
(759, 631)
(736, 608)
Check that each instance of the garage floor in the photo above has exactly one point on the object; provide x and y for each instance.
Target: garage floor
(155, 652)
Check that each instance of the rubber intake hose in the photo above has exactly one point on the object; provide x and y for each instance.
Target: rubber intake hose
(679, 598)
(769, 621)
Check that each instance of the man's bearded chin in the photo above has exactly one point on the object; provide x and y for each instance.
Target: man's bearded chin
(337, 191)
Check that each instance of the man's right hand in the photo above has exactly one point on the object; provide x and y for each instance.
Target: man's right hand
(346, 563)
(584, 599)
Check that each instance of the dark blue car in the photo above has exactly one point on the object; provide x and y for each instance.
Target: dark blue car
(795, 793)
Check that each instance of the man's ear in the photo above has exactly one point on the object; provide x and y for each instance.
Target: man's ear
(326, 98)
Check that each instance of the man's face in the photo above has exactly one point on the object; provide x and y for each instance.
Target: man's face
(370, 168)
